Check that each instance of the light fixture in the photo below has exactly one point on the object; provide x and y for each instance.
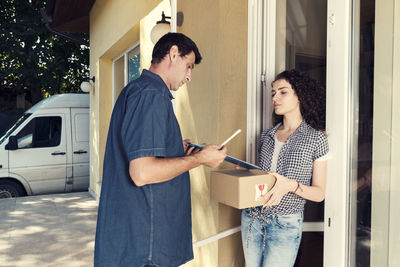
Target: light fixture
(162, 27)
(87, 86)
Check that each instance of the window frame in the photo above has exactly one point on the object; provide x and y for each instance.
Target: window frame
(33, 121)
(124, 55)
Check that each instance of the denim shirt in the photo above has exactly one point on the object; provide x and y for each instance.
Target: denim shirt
(150, 224)
(295, 161)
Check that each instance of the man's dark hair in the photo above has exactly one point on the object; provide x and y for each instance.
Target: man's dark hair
(185, 46)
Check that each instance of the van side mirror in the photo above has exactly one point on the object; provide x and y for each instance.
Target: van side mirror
(12, 143)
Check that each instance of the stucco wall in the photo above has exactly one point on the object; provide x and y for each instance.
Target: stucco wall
(114, 27)
(211, 108)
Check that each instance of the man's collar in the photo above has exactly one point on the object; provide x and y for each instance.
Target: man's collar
(157, 78)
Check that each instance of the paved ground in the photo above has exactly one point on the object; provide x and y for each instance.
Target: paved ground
(49, 230)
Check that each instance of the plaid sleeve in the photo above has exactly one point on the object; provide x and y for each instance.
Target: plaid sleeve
(322, 147)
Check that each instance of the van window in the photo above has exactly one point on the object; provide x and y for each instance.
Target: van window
(40, 132)
(15, 126)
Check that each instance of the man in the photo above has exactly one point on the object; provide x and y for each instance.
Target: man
(144, 214)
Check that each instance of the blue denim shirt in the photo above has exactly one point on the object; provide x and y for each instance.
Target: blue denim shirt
(149, 224)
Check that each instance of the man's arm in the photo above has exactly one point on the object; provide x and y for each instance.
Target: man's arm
(150, 170)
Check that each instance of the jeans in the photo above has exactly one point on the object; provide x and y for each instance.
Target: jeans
(273, 243)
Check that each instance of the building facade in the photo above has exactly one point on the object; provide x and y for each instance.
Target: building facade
(350, 47)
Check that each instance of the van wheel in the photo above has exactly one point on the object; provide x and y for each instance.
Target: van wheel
(9, 189)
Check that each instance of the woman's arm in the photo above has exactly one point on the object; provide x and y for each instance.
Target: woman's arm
(315, 192)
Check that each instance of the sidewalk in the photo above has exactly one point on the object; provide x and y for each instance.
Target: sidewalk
(48, 230)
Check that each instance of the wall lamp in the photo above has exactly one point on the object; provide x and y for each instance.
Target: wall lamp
(87, 86)
(163, 26)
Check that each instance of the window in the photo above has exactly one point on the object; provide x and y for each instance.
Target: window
(15, 126)
(134, 64)
(40, 132)
(126, 68)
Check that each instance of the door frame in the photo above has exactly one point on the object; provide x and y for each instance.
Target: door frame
(339, 94)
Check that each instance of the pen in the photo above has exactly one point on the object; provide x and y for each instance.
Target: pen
(230, 138)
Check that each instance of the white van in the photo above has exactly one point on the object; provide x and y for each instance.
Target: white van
(47, 149)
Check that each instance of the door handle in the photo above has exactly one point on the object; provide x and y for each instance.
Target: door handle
(58, 153)
(80, 152)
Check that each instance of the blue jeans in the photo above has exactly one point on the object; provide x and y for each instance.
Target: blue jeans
(273, 243)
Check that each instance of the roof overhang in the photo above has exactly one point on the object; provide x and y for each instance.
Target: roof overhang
(69, 15)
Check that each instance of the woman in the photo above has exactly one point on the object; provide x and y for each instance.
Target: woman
(294, 152)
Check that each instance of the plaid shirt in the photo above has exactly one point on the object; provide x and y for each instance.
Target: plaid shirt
(295, 161)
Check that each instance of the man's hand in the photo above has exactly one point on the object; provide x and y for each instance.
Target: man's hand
(211, 155)
(282, 186)
(186, 148)
(150, 170)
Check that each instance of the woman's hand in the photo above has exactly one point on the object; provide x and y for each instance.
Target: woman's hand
(282, 186)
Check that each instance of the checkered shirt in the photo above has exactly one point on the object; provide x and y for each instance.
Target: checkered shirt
(295, 161)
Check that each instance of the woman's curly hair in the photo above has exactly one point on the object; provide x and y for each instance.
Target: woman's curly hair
(311, 95)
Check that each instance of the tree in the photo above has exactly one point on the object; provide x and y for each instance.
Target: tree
(33, 60)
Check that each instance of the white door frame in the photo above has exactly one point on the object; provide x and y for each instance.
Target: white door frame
(254, 80)
(339, 120)
(338, 93)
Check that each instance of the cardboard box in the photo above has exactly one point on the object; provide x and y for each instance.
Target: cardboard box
(241, 188)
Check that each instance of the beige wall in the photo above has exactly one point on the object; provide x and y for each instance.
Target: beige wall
(114, 27)
(213, 106)
(210, 109)
(385, 237)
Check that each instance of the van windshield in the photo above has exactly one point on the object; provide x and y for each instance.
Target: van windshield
(15, 126)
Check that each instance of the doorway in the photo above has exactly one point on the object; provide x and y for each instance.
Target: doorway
(335, 42)
(287, 34)
(300, 43)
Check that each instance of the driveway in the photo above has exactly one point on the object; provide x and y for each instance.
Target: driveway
(48, 230)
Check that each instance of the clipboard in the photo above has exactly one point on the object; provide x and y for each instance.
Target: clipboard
(236, 161)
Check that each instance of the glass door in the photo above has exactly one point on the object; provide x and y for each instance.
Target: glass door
(311, 36)
(362, 137)
(300, 43)
(294, 34)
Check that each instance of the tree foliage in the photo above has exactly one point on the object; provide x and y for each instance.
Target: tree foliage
(33, 60)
